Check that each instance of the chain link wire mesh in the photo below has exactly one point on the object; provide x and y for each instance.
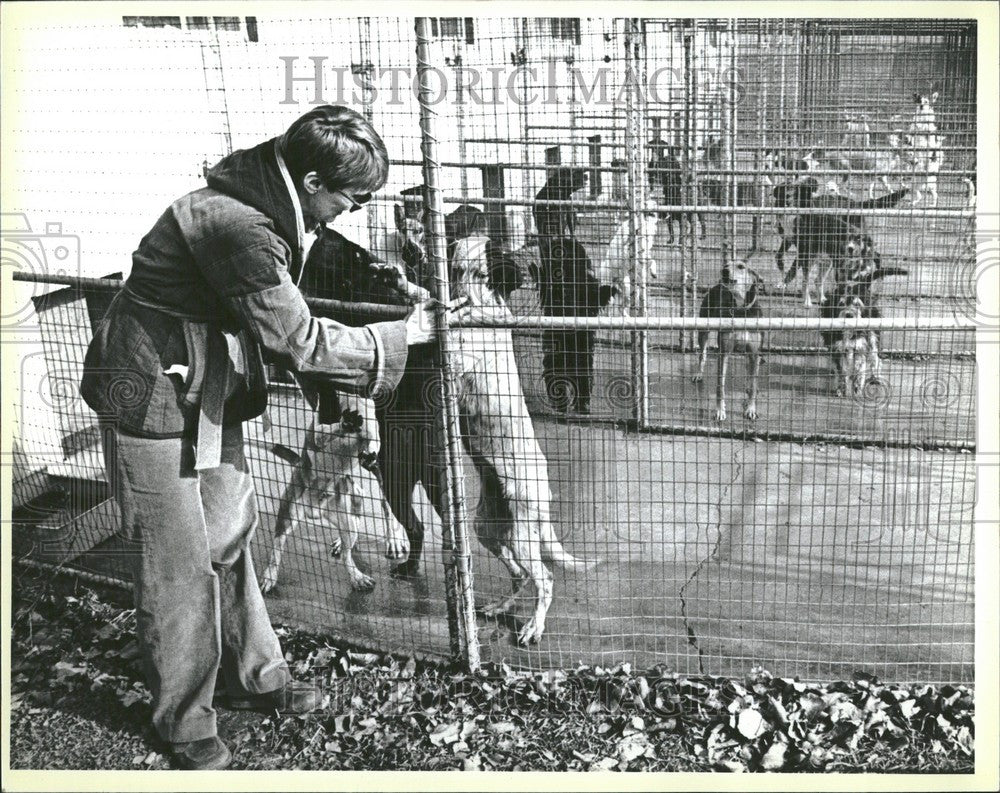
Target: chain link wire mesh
(612, 169)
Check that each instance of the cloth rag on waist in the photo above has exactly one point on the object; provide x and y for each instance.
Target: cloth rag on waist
(213, 349)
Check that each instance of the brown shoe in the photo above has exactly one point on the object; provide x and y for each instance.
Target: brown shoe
(207, 754)
(293, 697)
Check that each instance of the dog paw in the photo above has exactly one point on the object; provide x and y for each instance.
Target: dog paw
(530, 633)
(397, 548)
(720, 413)
(408, 569)
(269, 579)
(750, 411)
(361, 582)
(495, 609)
(698, 378)
(335, 548)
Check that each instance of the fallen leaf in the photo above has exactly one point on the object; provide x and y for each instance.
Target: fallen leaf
(750, 724)
(733, 766)
(473, 763)
(633, 746)
(774, 757)
(445, 734)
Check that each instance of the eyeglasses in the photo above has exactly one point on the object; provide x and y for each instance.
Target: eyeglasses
(357, 201)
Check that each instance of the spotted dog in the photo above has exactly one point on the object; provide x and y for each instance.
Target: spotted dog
(855, 353)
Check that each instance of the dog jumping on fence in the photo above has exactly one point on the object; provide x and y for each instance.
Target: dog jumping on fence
(924, 146)
(343, 438)
(559, 221)
(735, 296)
(855, 353)
(325, 484)
(567, 287)
(513, 518)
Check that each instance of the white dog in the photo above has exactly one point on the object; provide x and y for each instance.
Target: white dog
(513, 520)
(924, 148)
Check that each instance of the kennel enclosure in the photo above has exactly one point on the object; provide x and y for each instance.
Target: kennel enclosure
(830, 534)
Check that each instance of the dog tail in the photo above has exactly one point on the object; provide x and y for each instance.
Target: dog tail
(884, 272)
(286, 454)
(886, 201)
(557, 556)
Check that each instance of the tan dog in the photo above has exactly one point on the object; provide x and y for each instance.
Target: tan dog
(513, 520)
(735, 297)
(325, 483)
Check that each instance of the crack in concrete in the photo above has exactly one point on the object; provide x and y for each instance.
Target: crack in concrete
(689, 628)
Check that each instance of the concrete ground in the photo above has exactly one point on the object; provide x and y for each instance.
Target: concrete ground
(717, 555)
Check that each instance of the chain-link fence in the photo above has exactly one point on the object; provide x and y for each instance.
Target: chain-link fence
(615, 196)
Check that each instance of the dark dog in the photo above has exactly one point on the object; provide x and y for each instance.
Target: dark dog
(559, 221)
(671, 176)
(841, 238)
(343, 437)
(791, 196)
(567, 288)
(855, 353)
(406, 422)
(465, 221)
(734, 297)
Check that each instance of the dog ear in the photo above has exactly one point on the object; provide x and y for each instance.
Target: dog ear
(934, 97)
(916, 97)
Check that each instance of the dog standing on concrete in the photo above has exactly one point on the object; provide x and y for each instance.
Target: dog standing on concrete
(671, 176)
(855, 353)
(734, 297)
(840, 238)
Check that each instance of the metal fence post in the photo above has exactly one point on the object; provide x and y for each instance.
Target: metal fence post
(635, 154)
(458, 563)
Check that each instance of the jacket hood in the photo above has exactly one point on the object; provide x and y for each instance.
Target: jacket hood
(253, 177)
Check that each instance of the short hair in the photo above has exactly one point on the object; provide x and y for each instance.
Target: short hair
(340, 146)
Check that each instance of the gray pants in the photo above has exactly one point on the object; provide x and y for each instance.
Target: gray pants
(198, 605)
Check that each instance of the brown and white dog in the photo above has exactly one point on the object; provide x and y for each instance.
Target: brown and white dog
(855, 353)
(734, 297)
(840, 239)
(343, 440)
(326, 488)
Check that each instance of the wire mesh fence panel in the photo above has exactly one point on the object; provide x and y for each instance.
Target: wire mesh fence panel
(628, 487)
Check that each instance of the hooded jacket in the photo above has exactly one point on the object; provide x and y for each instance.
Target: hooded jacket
(212, 295)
